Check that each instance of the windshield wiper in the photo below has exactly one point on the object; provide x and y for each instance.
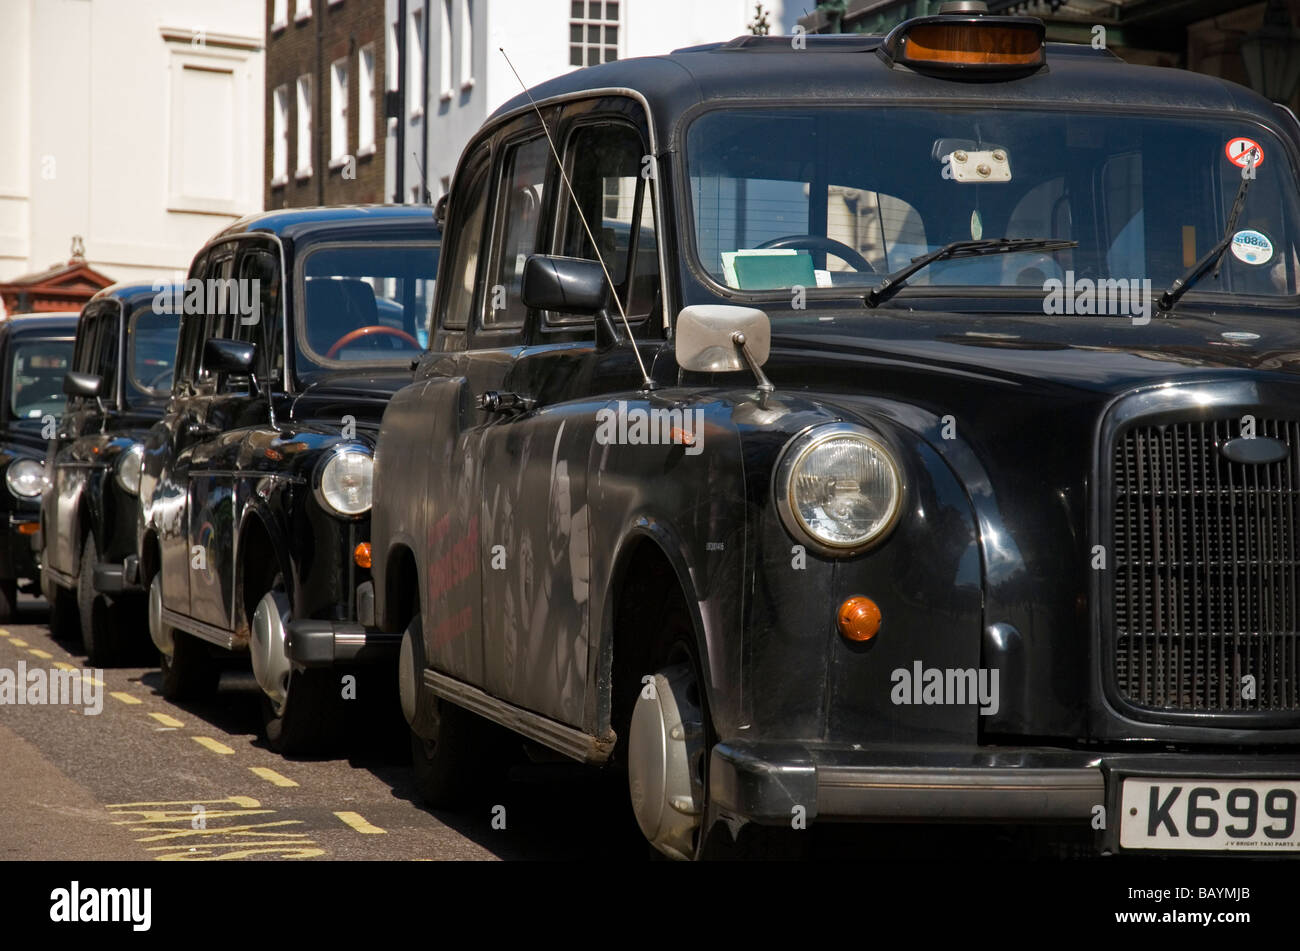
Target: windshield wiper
(1211, 260)
(895, 281)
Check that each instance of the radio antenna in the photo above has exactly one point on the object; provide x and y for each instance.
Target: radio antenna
(600, 259)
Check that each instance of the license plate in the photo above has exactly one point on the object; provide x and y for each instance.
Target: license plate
(1237, 815)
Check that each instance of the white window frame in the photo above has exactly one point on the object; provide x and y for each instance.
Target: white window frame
(339, 112)
(586, 46)
(279, 14)
(303, 123)
(466, 45)
(280, 135)
(366, 100)
(444, 51)
(301, 10)
(416, 63)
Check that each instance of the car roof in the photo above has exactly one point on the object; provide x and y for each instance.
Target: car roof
(848, 68)
(59, 323)
(131, 293)
(295, 223)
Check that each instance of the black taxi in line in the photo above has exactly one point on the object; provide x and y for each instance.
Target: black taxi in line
(35, 352)
(296, 327)
(935, 455)
(117, 386)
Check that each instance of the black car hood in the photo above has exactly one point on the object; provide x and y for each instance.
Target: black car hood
(1100, 354)
(362, 394)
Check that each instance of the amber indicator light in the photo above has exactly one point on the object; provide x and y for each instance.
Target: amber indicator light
(28, 528)
(973, 45)
(362, 555)
(859, 619)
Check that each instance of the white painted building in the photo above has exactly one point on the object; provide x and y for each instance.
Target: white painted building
(455, 46)
(136, 124)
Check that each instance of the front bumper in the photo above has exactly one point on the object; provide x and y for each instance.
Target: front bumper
(113, 578)
(19, 559)
(764, 783)
(314, 643)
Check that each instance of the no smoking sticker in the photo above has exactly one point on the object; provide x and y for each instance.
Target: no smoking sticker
(1239, 152)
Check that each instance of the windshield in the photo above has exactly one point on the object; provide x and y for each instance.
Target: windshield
(36, 378)
(153, 350)
(365, 303)
(835, 197)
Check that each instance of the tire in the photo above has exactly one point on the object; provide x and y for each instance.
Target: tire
(191, 672)
(466, 753)
(8, 599)
(451, 771)
(98, 638)
(310, 719)
(65, 622)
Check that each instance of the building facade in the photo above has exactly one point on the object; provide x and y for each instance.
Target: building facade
(446, 72)
(134, 125)
(324, 102)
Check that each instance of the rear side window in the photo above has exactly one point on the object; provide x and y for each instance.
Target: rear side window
(523, 182)
(458, 300)
(607, 169)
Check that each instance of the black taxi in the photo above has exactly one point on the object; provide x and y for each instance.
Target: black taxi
(35, 352)
(296, 327)
(893, 427)
(117, 386)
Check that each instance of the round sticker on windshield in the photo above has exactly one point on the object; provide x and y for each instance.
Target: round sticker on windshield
(1251, 247)
(1241, 150)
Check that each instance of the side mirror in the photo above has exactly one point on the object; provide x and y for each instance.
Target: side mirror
(567, 285)
(721, 338)
(82, 384)
(229, 356)
(706, 338)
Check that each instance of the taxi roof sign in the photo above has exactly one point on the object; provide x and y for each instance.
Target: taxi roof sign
(967, 44)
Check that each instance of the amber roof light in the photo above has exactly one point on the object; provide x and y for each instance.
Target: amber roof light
(963, 44)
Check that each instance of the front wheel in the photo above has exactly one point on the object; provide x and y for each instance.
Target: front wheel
(97, 636)
(8, 599)
(300, 708)
(189, 671)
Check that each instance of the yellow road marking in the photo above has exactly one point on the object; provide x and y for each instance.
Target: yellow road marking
(271, 776)
(361, 825)
(3, 632)
(62, 666)
(88, 677)
(209, 743)
(18, 643)
(165, 720)
(38, 653)
(125, 697)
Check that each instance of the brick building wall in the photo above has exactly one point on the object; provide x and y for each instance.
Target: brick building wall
(309, 45)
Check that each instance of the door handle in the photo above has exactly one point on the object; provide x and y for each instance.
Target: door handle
(195, 428)
(507, 403)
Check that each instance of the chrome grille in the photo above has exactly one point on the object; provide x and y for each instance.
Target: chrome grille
(1206, 569)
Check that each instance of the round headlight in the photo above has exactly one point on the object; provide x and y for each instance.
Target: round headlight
(25, 478)
(840, 487)
(128, 468)
(346, 481)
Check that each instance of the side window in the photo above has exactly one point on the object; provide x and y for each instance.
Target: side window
(191, 331)
(461, 276)
(83, 357)
(262, 266)
(215, 322)
(605, 166)
(520, 205)
(106, 351)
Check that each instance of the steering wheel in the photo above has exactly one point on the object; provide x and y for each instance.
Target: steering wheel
(360, 332)
(817, 242)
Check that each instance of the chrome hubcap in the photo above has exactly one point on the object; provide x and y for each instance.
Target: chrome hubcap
(266, 644)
